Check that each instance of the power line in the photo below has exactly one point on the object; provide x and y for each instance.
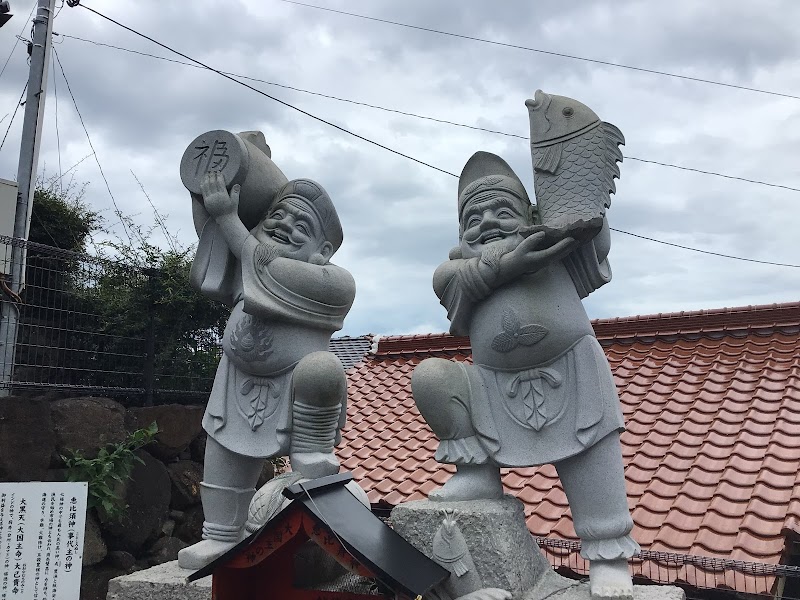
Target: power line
(19, 37)
(427, 117)
(294, 89)
(16, 108)
(548, 52)
(378, 144)
(753, 260)
(96, 43)
(714, 173)
(58, 135)
(94, 152)
(278, 100)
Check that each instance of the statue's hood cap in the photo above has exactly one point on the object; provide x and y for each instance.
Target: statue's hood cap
(316, 196)
(486, 171)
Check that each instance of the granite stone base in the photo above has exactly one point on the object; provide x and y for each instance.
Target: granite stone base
(504, 551)
(640, 592)
(164, 582)
(168, 581)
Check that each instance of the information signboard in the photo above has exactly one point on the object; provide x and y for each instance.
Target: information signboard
(41, 540)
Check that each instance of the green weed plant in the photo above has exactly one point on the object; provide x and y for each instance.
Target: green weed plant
(107, 473)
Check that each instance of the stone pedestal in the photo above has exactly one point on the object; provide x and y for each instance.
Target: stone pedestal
(164, 582)
(640, 592)
(504, 551)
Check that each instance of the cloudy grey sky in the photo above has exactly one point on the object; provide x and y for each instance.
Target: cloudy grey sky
(398, 216)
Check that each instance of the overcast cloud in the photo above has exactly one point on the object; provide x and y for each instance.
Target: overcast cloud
(398, 216)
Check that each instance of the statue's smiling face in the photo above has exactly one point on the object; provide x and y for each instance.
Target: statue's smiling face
(293, 228)
(492, 217)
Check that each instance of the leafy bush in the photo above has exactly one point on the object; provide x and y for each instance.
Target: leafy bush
(106, 473)
(127, 308)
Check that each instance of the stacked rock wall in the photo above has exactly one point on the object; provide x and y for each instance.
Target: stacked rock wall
(162, 494)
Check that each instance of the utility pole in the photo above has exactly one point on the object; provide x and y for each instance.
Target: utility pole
(26, 180)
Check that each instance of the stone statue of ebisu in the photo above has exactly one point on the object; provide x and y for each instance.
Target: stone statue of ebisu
(540, 389)
(265, 246)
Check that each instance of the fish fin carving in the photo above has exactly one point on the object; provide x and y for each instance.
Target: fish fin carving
(548, 158)
(613, 155)
(460, 569)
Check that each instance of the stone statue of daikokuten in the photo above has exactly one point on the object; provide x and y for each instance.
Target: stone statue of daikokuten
(277, 390)
(540, 389)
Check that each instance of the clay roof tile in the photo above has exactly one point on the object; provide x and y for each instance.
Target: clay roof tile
(712, 403)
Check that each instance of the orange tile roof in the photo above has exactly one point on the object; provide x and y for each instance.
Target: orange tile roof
(712, 406)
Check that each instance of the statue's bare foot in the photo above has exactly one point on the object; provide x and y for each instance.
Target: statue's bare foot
(314, 464)
(200, 554)
(471, 482)
(610, 579)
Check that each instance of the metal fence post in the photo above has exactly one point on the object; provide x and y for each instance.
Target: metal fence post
(8, 335)
(150, 338)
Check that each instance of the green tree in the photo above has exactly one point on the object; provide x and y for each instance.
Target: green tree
(104, 320)
(60, 218)
(149, 296)
(49, 337)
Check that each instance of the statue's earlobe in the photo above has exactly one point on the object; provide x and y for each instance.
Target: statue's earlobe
(323, 256)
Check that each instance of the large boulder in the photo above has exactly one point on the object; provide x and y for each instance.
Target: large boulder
(94, 581)
(147, 494)
(87, 424)
(177, 424)
(190, 527)
(120, 559)
(55, 475)
(186, 476)
(26, 438)
(94, 548)
(165, 550)
(197, 448)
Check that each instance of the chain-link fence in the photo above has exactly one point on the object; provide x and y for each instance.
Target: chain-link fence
(91, 325)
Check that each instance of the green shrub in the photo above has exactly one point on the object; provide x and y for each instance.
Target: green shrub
(106, 473)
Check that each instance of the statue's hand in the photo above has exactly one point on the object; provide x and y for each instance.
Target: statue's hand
(532, 254)
(216, 199)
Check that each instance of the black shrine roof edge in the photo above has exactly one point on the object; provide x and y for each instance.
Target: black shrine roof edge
(300, 489)
(373, 543)
(314, 484)
(392, 559)
(253, 537)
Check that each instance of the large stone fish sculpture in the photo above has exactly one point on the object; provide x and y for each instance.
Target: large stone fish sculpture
(575, 157)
